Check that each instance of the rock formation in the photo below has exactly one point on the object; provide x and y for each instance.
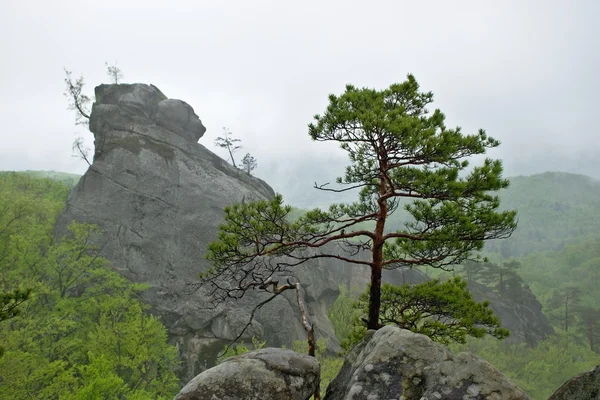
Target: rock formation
(585, 386)
(266, 374)
(393, 363)
(521, 314)
(159, 197)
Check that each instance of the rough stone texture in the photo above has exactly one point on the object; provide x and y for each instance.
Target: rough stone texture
(265, 374)
(585, 386)
(159, 196)
(393, 363)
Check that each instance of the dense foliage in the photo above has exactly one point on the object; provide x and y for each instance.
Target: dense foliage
(555, 209)
(562, 208)
(82, 333)
(538, 370)
(444, 311)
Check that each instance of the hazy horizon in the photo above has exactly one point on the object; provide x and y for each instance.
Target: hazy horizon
(523, 71)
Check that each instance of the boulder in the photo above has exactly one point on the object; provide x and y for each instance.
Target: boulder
(264, 374)
(394, 363)
(585, 386)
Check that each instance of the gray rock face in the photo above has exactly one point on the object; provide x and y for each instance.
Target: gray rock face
(266, 374)
(159, 197)
(393, 363)
(520, 313)
(585, 386)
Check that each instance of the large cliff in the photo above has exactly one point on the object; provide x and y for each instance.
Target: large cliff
(159, 197)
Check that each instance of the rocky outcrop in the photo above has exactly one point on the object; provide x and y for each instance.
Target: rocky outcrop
(266, 374)
(520, 312)
(159, 197)
(585, 386)
(393, 363)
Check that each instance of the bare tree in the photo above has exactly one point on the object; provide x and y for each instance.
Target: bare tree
(229, 143)
(249, 163)
(81, 151)
(271, 285)
(114, 72)
(77, 100)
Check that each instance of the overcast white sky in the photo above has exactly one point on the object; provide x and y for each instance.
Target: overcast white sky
(526, 71)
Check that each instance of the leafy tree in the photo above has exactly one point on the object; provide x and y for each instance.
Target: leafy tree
(227, 141)
(81, 151)
(588, 324)
(82, 317)
(10, 301)
(78, 102)
(444, 311)
(343, 311)
(83, 332)
(249, 163)
(566, 299)
(398, 151)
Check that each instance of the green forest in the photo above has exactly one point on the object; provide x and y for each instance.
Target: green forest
(81, 331)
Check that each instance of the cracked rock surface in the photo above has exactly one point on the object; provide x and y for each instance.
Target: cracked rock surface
(266, 374)
(159, 196)
(394, 363)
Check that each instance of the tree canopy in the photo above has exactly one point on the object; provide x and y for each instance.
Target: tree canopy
(444, 311)
(398, 150)
(81, 330)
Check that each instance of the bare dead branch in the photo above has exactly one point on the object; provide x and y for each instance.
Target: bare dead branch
(81, 151)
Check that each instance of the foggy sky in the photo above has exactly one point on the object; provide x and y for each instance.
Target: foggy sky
(526, 71)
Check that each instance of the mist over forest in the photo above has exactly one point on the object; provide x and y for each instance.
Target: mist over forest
(184, 188)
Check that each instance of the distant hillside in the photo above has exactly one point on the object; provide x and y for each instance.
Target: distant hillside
(68, 179)
(554, 209)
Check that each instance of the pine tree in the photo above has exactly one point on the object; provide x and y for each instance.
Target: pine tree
(444, 311)
(398, 150)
